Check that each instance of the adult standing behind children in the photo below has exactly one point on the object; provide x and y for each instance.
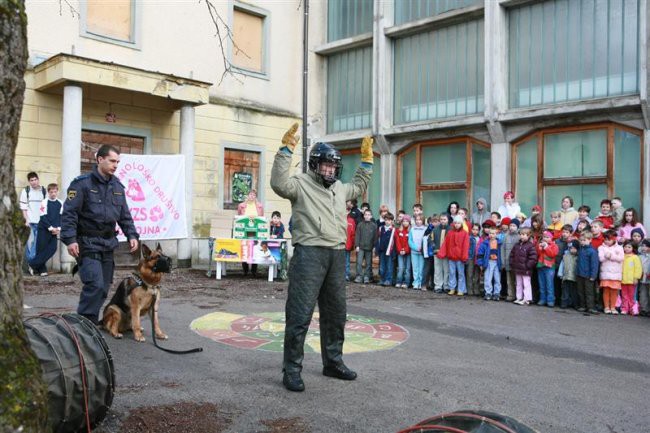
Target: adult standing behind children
(95, 203)
(317, 269)
(49, 227)
(510, 208)
(567, 213)
(30, 203)
(482, 212)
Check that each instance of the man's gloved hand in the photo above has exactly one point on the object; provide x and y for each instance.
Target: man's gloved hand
(366, 150)
(290, 139)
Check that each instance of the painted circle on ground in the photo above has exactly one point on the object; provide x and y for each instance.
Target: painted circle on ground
(265, 331)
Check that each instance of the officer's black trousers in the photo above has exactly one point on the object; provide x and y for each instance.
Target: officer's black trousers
(316, 274)
(96, 273)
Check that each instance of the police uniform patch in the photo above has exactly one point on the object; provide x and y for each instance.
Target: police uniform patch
(71, 194)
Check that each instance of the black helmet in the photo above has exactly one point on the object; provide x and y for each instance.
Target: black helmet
(325, 152)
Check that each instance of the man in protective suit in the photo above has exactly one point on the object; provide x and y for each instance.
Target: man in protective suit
(317, 269)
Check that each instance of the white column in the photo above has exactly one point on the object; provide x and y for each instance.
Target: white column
(646, 178)
(388, 182)
(187, 149)
(71, 149)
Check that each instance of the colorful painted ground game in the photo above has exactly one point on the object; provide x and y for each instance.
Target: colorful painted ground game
(265, 331)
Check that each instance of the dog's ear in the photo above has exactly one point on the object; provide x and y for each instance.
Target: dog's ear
(159, 248)
(146, 252)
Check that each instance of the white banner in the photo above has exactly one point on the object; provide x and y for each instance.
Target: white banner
(155, 193)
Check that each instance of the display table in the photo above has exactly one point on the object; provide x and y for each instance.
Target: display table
(253, 251)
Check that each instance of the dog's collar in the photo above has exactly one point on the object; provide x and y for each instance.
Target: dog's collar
(138, 279)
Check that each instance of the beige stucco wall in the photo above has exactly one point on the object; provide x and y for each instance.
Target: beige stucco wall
(178, 37)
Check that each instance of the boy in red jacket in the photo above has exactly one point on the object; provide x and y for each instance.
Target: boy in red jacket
(403, 253)
(349, 244)
(546, 252)
(455, 248)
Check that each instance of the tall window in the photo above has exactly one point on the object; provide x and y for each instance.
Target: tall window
(438, 172)
(349, 84)
(562, 50)
(112, 21)
(249, 40)
(346, 18)
(588, 163)
(241, 172)
(439, 73)
(351, 160)
(411, 10)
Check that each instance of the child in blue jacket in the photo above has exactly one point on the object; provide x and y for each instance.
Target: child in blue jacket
(386, 250)
(586, 274)
(489, 259)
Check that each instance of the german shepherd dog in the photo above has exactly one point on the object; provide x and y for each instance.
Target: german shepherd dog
(134, 298)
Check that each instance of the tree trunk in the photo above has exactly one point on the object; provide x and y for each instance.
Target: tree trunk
(23, 396)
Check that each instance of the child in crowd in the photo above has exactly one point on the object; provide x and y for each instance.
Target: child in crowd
(582, 227)
(403, 279)
(440, 265)
(455, 248)
(482, 214)
(462, 212)
(567, 273)
(556, 225)
(632, 273)
(417, 210)
(597, 227)
(605, 214)
(496, 218)
(364, 241)
(644, 285)
(522, 218)
(472, 270)
(503, 228)
(535, 210)
(537, 228)
(617, 211)
(567, 214)
(629, 224)
(523, 259)
(562, 246)
(510, 239)
(637, 237)
(546, 252)
(489, 259)
(416, 243)
(349, 242)
(611, 257)
(400, 217)
(277, 228)
(586, 273)
(583, 215)
(385, 249)
(428, 247)
(48, 230)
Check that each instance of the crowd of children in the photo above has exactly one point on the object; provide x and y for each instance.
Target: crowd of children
(592, 265)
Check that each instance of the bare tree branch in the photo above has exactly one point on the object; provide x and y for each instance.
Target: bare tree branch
(70, 8)
(224, 34)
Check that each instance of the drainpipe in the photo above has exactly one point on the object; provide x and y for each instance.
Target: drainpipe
(305, 75)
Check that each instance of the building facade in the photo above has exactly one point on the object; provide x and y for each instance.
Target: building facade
(472, 98)
(149, 78)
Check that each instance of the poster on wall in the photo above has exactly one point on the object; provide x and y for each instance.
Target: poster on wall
(155, 193)
(241, 185)
(228, 250)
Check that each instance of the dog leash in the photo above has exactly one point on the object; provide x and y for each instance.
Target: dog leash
(153, 333)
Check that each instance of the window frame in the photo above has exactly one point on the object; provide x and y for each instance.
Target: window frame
(265, 15)
(607, 179)
(466, 186)
(259, 185)
(136, 24)
(357, 151)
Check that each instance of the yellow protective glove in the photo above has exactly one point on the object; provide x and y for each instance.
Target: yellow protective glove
(290, 139)
(366, 150)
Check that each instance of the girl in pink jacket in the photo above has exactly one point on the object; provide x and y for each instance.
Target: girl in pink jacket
(611, 257)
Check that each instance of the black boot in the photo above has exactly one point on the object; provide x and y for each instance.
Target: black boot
(339, 371)
(293, 381)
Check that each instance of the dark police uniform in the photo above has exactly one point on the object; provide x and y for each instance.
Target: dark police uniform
(93, 205)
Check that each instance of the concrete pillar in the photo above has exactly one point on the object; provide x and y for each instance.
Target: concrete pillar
(500, 179)
(187, 149)
(646, 178)
(71, 150)
(388, 181)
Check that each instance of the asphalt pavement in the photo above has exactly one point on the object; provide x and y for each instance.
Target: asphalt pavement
(555, 370)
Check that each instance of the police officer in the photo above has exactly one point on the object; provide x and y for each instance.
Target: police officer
(317, 268)
(95, 202)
